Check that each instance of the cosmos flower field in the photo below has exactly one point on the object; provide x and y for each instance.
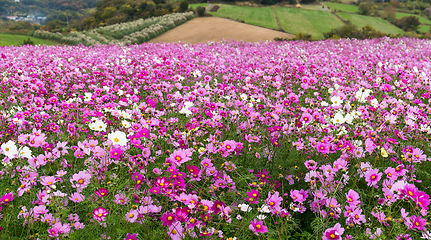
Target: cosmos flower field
(229, 140)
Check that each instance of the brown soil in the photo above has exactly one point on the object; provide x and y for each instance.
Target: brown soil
(216, 29)
(215, 8)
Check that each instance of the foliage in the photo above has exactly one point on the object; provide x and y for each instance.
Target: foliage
(351, 31)
(26, 42)
(201, 11)
(365, 8)
(410, 23)
(184, 5)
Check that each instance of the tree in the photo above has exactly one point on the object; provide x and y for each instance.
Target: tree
(410, 23)
(184, 5)
(390, 13)
(365, 8)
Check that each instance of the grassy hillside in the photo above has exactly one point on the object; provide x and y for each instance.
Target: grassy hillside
(377, 23)
(295, 20)
(342, 7)
(9, 40)
(263, 16)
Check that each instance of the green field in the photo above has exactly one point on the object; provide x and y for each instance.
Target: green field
(263, 16)
(295, 20)
(424, 28)
(9, 40)
(376, 23)
(421, 19)
(195, 5)
(343, 7)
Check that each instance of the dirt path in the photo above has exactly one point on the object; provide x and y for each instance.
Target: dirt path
(206, 29)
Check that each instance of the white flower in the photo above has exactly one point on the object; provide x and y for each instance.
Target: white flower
(243, 96)
(9, 149)
(348, 118)
(264, 209)
(336, 100)
(118, 137)
(324, 104)
(338, 118)
(125, 124)
(374, 102)
(87, 96)
(98, 125)
(261, 217)
(244, 207)
(25, 152)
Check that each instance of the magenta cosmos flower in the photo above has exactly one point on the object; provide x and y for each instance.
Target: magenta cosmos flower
(257, 227)
(102, 192)
(131, 236)
(333, 233)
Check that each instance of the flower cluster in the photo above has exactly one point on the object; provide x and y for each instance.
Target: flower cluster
(221, 140)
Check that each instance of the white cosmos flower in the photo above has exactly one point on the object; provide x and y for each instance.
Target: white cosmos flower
(126, 124)
(244, 207)
(336, 100)
(9, 149)
(243, 96)
(348, 118)
(324, 104)
(87, 96)
(264, 209)
(118, 138)
(25, 152)
(261, 217)
(97, 125)
(338, 118)
(374, 102)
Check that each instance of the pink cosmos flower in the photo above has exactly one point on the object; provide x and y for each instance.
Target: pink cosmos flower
(132, 216)
(274, 201)
(372, 177)
(262, 175)
(418, 223)
(115, 153)
(48, 180)
(257, 227)
(168, 219)
(176, 231)
(410, 190)
(80, 180)
(179, 157)
(76, 197)
(100, 214)
(333, 233)
(121, 199)
(253, 196)
(7, 198)
(353, 197)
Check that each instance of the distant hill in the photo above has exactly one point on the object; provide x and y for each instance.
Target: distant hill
(43, 7)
